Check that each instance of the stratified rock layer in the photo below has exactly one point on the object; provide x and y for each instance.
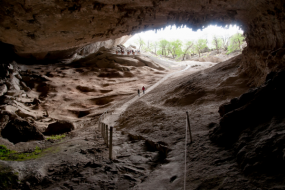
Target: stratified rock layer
(36, 27)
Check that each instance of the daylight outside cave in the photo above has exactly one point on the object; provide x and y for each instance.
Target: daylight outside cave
(142, 94)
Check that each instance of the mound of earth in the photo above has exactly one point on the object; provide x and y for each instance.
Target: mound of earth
(200, 91)
(106, 59)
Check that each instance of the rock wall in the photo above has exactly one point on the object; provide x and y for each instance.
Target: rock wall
(70, 55)
(34, 27)
(265, 36)
(253, 126)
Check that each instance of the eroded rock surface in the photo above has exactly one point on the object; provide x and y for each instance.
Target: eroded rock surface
(253, 126)
(38, 28)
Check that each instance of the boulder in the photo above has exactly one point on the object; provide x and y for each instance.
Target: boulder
(59, 127)
(21, 131)
(15, 83)
(3, 89)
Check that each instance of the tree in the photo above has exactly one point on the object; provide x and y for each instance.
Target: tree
(175, 47)
(162, 45)
(200, 45)
(140, 42)
(155, 46)
(217, 42)
(187, 48)
(168, 48)
(235, 42)
(225, 40)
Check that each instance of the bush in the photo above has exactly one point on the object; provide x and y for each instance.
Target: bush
(235, 43)
(6, 154)
(56, 137)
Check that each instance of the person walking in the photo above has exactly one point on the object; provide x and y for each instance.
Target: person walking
(139, 92)
(143, 89)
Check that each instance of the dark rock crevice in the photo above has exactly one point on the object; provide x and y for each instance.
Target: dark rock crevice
(253, 125)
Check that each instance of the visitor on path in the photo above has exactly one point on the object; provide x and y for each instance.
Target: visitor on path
(143, 89)
(139, 92)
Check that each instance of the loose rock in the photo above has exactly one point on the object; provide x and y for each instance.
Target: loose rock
(3, 89)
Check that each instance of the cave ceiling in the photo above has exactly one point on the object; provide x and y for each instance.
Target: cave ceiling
(41, 26)
(34, 26)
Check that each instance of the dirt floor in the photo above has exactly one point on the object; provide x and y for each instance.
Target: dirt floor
(149, 137)
(159, 119)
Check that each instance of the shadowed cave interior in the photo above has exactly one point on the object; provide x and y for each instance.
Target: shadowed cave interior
(59, 72)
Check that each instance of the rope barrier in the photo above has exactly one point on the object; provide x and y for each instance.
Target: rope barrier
(185, 168)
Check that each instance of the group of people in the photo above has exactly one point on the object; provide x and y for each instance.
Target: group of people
(128, 52)
(143, 89)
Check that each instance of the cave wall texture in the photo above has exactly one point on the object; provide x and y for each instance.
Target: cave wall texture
(40, 26)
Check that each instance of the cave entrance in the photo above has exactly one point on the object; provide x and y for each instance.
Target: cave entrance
(212, 43)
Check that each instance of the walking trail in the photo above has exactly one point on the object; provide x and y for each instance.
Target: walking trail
(110, 120)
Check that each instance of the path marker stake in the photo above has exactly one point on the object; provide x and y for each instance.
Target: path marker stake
(111, 144)
(106, 137)
(189, 128)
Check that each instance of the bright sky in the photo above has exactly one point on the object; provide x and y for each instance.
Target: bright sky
(185, 34)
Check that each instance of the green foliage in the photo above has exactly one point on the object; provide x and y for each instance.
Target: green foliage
(217, 42)
(56, 137)
(8, 178)
(154, 46)
(200, 45)
(235, 43)
(187, 48)
(162, 46)
(4, 150)
(159, 52)
(6, 154)
(176, 48)
(140, 42)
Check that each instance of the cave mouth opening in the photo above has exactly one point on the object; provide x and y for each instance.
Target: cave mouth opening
(177, 41)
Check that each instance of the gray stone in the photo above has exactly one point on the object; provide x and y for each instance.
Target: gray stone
(3, 89)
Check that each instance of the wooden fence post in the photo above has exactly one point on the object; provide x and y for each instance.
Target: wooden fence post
(103, 131)
(99, 125)
(111, 144)
(102, 124)
(189, 128)
(107, 139)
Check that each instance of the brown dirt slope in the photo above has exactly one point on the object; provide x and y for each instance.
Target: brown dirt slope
(160, 117)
